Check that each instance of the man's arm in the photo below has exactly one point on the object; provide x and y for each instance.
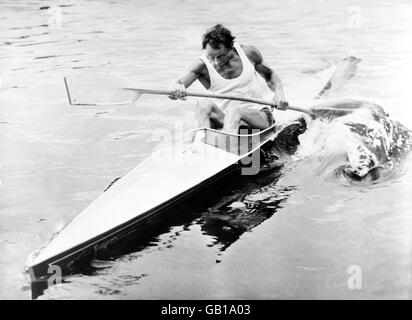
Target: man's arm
(272, 80)
(179, 88)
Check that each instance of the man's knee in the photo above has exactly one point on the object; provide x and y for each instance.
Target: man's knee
(243, 124)
(243, 112)
(205, 107)
(254, 118)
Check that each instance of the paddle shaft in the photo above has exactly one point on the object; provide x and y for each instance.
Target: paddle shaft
(220, 96)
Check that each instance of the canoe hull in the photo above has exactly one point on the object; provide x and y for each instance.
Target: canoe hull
(198, 167)
(42, 270)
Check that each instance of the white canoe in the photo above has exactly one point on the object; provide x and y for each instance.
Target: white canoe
(167, 177)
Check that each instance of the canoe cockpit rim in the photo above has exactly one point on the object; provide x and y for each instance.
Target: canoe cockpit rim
(260, 132)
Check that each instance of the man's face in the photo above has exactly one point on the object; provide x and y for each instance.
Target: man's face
(218, 57)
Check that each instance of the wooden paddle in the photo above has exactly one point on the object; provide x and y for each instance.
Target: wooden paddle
(123, 99)
(98, 89)
(137, 92)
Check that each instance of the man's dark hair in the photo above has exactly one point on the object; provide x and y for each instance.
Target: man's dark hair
(218, 35)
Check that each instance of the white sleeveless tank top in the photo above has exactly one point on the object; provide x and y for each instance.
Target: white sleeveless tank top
(248, 84)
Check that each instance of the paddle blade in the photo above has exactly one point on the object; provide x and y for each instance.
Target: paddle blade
(98, 89)
(335, 108)
(345, 70)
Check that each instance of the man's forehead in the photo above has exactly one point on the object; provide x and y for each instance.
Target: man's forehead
(220, 49)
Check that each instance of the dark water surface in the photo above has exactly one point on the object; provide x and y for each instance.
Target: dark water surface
(298, 233)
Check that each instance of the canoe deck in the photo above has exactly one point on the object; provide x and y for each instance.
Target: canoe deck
(157, 184)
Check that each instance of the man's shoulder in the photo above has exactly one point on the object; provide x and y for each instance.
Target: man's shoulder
(198, 66)
(252, 53)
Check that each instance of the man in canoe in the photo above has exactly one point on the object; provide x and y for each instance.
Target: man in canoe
(226, 67)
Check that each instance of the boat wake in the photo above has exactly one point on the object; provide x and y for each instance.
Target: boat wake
(363, 144)
(356, 143)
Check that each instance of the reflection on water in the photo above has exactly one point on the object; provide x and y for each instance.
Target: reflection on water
(233, 216)
(227, 210)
